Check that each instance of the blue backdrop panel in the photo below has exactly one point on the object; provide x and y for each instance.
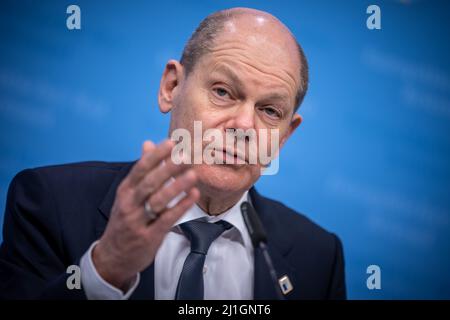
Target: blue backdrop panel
(370, 162)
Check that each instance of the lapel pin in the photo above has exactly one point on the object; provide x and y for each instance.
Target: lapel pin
(285, 284)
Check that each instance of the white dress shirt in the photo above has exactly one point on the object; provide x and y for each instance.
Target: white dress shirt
(228, 272)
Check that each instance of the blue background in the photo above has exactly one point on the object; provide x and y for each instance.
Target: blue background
(370, 161)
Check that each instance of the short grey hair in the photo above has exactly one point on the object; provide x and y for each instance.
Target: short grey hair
(202, 40)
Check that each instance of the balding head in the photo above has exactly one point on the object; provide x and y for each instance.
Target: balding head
(258, 28)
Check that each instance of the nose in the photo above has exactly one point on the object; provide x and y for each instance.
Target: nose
(242, 118)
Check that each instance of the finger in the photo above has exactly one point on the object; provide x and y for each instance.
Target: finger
(155, 179)
(149, 161)
(147, 146)
(161, 199)
(165, 222)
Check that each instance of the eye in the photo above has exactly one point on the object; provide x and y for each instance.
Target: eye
(271, 112)
(221, 92)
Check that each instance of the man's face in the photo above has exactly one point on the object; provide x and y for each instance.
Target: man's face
(248, 81)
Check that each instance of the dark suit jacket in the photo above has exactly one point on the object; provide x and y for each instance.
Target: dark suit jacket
(53, 214)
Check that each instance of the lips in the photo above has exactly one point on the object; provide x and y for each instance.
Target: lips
(235, 154)
(230, 155)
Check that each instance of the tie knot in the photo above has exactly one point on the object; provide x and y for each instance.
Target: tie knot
(202, 233)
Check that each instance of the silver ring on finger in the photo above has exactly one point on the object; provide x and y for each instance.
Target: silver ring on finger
(151, 215)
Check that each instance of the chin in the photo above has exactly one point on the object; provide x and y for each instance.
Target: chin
(226, 178)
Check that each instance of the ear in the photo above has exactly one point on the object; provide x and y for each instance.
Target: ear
(170, 85)
(295, 122)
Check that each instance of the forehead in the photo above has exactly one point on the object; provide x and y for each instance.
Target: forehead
(258, 52)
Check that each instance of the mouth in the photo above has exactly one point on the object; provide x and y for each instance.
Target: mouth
(230, 156)
(234, 157)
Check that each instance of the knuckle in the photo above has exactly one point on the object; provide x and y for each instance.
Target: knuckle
(170, 192)
(142, 164)
(149, 183)
(175, 168)
(137, 196)
(188, 178)
(121, 190)
(123, 205)
(166, 219)
(156, 203)
(142, 233)
(118, 204)
(184, 184)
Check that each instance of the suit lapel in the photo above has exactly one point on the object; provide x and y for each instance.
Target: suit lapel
(278, 249)
(108, 201)
(146, 288)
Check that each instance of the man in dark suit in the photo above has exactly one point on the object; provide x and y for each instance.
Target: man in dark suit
(161, 229)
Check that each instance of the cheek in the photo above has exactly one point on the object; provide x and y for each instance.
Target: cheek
(210, 117)
(188, 108)
(267, 135)
(267, 139)
(195, 103)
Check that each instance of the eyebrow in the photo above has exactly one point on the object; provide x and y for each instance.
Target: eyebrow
(229, 73)
(277, 96)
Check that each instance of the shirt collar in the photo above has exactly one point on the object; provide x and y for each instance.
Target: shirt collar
(232, 216)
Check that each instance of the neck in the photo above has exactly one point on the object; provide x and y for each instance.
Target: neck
(215, 203)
